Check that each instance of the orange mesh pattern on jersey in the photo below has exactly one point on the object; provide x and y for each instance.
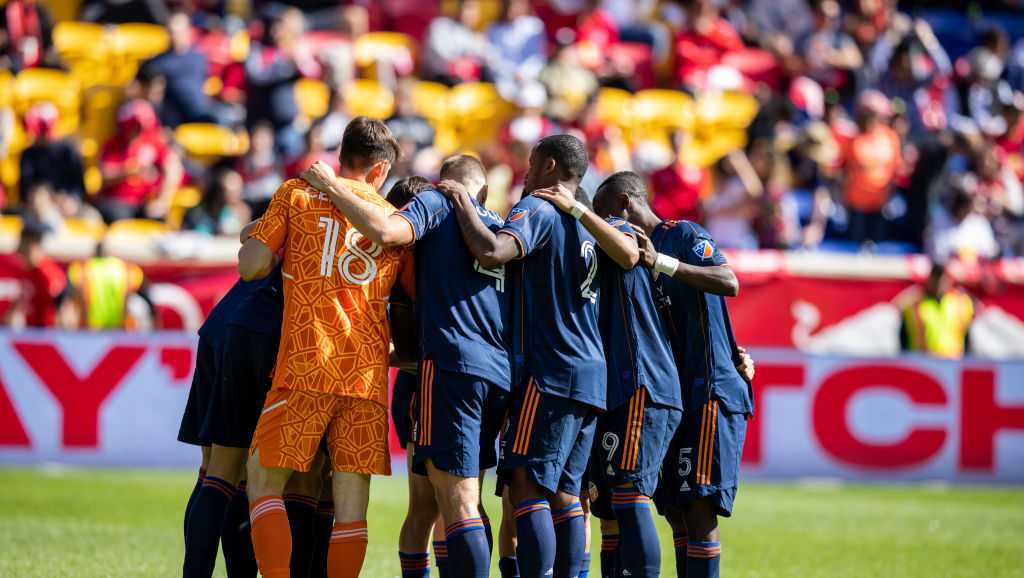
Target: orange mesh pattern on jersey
(334, 335)
(293, 423)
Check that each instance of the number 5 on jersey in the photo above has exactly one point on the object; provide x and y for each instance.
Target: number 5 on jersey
(353, 253)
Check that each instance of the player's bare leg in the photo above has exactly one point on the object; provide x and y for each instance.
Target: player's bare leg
(507, 539)
(609, 548)
(483, 515)
(207, 509)
(301, 498)
(677, 521)
(348, 537)
(414, 537)
(271, 536)
(703, 546)
(459, 499)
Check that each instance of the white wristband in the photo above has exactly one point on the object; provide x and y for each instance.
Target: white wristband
(577, 210)
(665, 264)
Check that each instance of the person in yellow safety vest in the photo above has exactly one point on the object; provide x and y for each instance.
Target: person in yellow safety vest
(102, 286)
(938, 322)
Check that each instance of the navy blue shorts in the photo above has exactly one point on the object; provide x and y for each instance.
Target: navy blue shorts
(456, 422)
(194, 427)
(703, 459)
(629, 448)
(548, 435)
(246, 374)
(403, 406)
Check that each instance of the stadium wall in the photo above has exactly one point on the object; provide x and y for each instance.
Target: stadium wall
(116, 400)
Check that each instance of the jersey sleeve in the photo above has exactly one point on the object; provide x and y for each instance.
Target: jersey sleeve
(273, 226)
(425, 212)
(530, 223)
(696, 247)
(621, 225)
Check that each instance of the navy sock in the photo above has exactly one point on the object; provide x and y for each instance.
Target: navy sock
(570, 540)
(192, 499)
(441, 558)
(322, 539)
(235, 540)
(302, 523)
(203, 529)
(508, 567)
(609, 555)
(679, 541)
(535, 531)
(702, 559)
(490, 536)
(585, 566)
(639, 549)
(467, 548)
(415, 565)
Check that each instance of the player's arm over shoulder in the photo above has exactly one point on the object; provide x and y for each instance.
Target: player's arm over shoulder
(256, 257)
(701, 264)
(489, 248)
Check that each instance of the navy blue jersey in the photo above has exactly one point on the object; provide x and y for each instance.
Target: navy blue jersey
(701, 329)
(216, 325)
(636, 337)
(556, 338)
(461, 307)
(260, 311)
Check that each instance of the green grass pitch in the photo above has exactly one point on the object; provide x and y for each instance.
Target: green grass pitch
(84, 523)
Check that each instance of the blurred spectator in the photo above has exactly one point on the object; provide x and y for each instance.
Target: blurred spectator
(453, 50)
(261, 172)
(51, 161)
(679, 187)
(315, 151)
(938, 322)
(872, 160)
(730, 211)
(140, 171)
(185, 70)
(831, 55)
(121, 11)
(43, 283)
(221, 210)
(40, 209)
(566, 80)
(334, 122)
(272, 68)
(960, 229)
(111, 284)
(703, 41)
(410, 128)
(25, 35)
(517, 47)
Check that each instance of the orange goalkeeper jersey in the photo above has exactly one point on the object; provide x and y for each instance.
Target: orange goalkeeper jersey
(334, 334)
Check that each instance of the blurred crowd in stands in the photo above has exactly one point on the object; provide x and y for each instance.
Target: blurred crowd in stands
(853, 125)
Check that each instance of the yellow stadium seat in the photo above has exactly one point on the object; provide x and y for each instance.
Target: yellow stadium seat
(369, 98)
(312, 97)
(477, 111)
(730, 109)
(85, 228)
(10, 226)
(431, 100)
(207, 141)
(142, 228)
(184, 199)
(80, 40)
(614, 106)
(140, 41)
(35, 85)
(99, 114)
(6, 88)
(664, 108)
(373, 46)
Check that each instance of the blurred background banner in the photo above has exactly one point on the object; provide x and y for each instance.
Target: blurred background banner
(115, 399)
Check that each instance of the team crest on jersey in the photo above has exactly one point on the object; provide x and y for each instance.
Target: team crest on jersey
(704, 249)
(517, 214)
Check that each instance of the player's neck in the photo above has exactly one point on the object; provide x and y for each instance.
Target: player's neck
(354, 176)
(645, 218)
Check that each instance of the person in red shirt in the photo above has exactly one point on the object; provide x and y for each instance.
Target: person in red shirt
(140, 171)
(43, 282)
(872, 161)
(679, 187)
(702, 43)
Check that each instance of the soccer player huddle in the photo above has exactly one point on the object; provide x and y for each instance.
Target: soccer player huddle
(585, 350)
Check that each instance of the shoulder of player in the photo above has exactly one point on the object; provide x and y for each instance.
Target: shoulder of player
(530, 207)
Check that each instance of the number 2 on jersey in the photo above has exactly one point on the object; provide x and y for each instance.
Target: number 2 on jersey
(589, 255)
(353, 253)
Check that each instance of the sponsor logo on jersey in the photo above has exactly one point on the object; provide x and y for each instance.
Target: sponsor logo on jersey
(704, 249)
(517, 214)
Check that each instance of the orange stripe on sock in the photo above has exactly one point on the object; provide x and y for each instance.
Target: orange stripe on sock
(347, 551)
